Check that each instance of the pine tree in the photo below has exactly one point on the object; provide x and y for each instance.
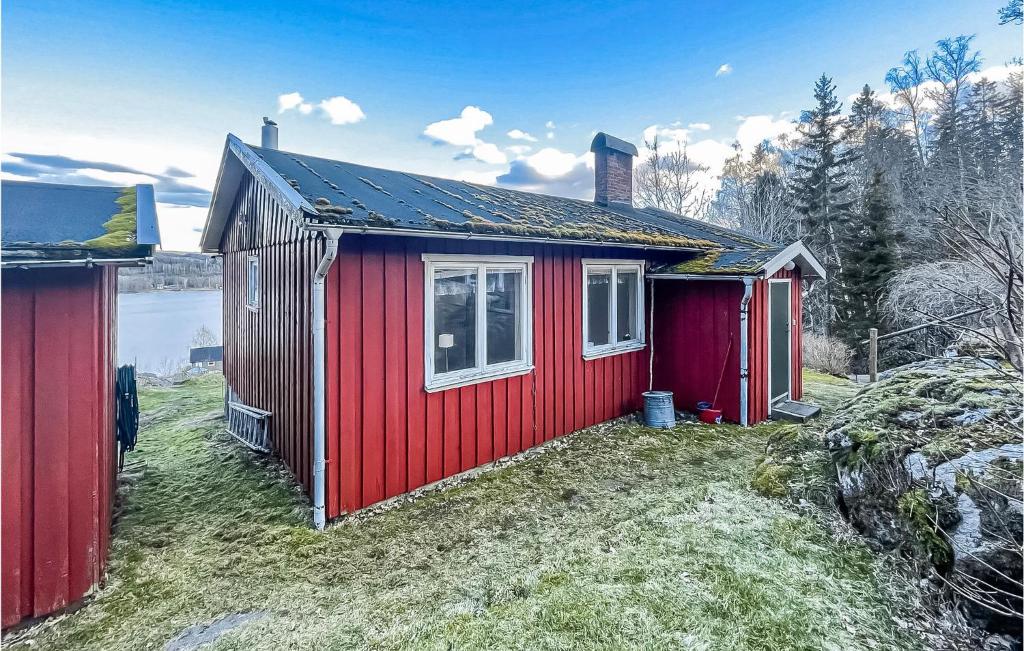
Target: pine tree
(869, 264)
(821, 192)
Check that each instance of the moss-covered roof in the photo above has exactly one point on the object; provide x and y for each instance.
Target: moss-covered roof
(734, 261)
(47, 221)
(355, 195)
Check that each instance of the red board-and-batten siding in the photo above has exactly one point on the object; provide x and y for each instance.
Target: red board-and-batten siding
(57, 338)
(386, 435)
(268, 352)
(697, 343)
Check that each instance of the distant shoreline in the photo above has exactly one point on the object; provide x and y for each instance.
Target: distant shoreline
(170, 289)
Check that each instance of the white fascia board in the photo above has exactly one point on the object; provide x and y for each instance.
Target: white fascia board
(799, 254)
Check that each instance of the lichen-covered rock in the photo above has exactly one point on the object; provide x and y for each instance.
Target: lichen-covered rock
(928, 461)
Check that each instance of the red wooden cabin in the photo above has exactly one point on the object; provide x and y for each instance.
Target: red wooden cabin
(62, 245)
(400, 329)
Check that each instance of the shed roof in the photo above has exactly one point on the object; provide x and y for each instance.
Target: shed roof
(325, 193)
(48, 222)
(206, 354)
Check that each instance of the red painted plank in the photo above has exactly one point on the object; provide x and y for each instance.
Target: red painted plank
(50, 490)
(551, 337)
(558, 335)
(515, 408)
(484, 430)
(395, 359)
(467, 426)
(350, 445)
(84, 430)
(452, 444)
(16, 347)
(499, 418)
(415, 397)
(373, 376)
(579, 377)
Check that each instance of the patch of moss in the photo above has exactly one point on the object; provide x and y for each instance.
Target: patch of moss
(121, 229)
(917, 509)
(771, 479)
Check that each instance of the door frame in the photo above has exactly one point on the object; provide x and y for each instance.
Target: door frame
(772, 399)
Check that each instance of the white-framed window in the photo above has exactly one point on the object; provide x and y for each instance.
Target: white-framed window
(613, 307)
(478, 318)
(252, 282)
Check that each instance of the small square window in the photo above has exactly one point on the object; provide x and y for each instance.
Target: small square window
(478, 318)
(252, 282)
(613, 299)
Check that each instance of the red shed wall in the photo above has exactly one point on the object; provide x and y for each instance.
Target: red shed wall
(268, 352)
(57, 346)
(758, 342)
(697, 343)
(386, 435)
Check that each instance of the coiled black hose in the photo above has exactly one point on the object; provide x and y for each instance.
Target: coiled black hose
(127, 412)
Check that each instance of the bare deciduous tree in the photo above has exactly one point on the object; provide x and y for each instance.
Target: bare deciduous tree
(672, 181)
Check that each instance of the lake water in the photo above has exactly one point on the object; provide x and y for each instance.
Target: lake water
(155, 329)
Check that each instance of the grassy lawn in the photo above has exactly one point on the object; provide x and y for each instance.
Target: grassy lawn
(619, 537)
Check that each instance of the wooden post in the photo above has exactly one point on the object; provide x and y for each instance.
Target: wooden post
(873, 355)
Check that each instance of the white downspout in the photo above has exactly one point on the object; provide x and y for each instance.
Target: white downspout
(748, 284)
(319, 389)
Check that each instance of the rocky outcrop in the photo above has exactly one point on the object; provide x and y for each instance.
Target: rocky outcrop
(928, 461)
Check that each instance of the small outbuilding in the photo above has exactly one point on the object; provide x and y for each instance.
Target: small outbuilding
(393, 329)
(61, 247)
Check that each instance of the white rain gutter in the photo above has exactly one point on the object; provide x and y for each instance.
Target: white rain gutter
(319, 388)
(748, 286)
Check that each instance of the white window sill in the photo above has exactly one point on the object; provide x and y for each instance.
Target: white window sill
(618, 349)
(445, 383)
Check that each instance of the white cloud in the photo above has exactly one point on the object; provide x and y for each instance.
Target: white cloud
(488, 153)
(290, 101)
(180, 226)
(754, 129)
(699, 126)
(342, 110)
(998, 74)
(551, 135)
(552, 162)
(723, 69)
(518, 134)
(551, 171)
(460, 131)
(550, 124)
(518, 150)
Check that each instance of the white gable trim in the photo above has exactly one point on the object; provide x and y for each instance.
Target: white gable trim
(237, 159)
(801, 256)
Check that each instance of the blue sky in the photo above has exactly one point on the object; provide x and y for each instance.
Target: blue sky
(155, 85)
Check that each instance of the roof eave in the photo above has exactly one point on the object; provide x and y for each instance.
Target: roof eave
(459, 235)
(799, 254)
(237, 159)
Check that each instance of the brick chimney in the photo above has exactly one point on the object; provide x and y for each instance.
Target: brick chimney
(613, 170)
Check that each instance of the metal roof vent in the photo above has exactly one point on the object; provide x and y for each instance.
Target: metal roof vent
(269, 134)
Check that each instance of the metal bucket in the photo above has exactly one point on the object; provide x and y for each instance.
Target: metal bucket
(658, 409)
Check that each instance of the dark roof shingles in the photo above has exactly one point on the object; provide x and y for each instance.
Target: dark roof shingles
(349, 194)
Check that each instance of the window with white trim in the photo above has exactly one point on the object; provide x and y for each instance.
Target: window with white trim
(252, 282)
(613, 307)
(478, 318)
